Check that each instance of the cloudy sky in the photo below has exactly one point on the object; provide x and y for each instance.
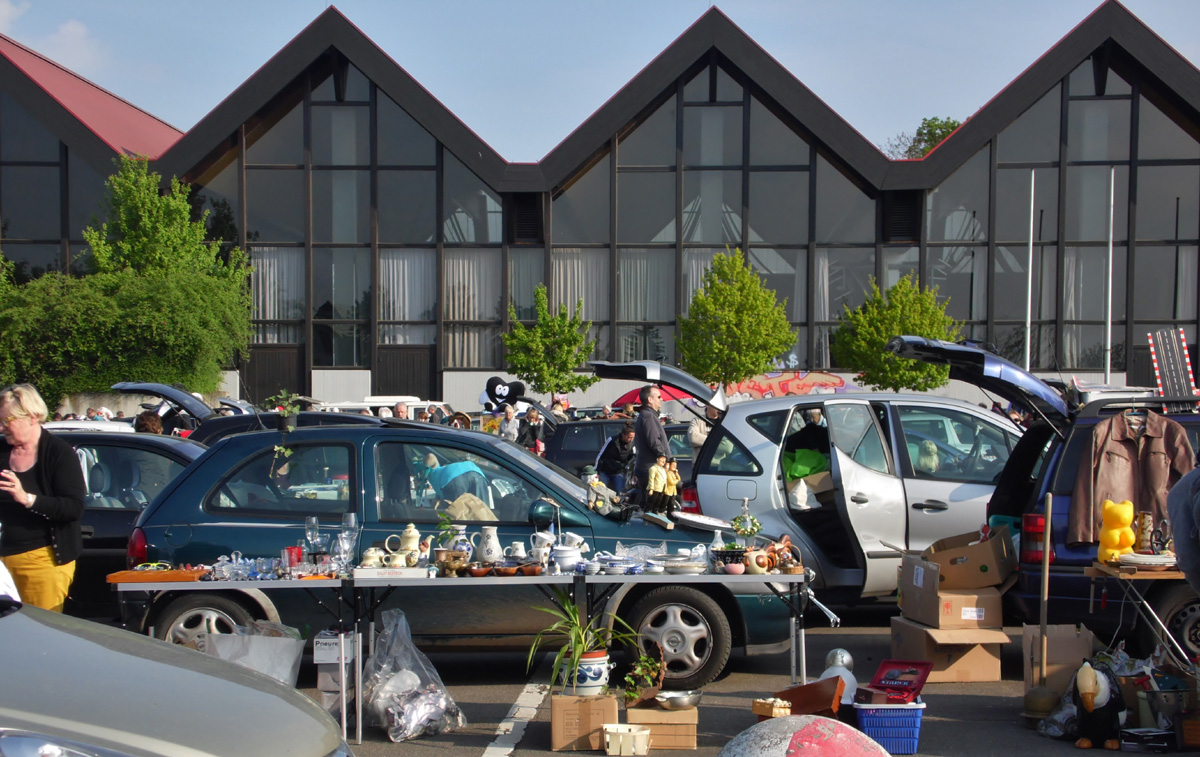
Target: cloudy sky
(524, 73)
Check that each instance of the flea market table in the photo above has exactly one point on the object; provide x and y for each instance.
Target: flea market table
(1128, 579)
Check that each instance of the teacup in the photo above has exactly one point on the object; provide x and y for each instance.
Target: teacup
(540, 554)
(516, 551)
(396, 560)
(569, 539)
(542, 539)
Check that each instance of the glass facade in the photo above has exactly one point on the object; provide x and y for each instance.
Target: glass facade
(367, 231)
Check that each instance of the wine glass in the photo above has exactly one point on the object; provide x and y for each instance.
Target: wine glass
(312, 529)
(349, 523)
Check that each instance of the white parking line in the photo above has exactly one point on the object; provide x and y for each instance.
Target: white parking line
(512, 728)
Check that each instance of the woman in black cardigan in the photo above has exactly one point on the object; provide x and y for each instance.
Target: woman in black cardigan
(41, 501)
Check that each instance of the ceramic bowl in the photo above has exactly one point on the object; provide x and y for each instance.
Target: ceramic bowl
(506, 570)
(735, 568)
(532, 569)
(479, 571)
(653, 570)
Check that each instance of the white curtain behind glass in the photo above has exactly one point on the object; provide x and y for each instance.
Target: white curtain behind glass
(646, 285)
(278, 292)
(696, 263)
(577, 273)
(473, 280)
(407, 289)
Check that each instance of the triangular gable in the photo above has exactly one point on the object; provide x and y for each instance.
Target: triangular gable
(714, 30)
(332, 29)
(124, 128)
(1111, 23)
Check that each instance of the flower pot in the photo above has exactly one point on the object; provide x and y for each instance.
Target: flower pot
(591, 676)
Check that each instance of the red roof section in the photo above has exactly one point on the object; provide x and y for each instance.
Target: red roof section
(122, 126)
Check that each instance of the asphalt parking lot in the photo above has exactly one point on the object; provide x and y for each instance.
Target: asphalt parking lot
(979, 719)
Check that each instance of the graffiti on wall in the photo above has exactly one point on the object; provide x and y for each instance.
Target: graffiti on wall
(783, 383)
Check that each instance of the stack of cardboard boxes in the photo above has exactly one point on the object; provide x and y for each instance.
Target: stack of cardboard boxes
(577, 723)
(950, 599)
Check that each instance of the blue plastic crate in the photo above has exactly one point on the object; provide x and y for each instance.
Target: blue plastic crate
(896, 727)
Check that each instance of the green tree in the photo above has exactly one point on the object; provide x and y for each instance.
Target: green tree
(546, 354)
(162, 306)
(917, 145)
(734, 328)
(859, 341)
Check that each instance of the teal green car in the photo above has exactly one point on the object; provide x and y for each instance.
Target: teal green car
(244, 495)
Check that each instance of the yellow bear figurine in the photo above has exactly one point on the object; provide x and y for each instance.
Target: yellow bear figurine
(1116, 536)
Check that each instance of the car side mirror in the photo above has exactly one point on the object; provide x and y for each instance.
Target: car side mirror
(543, 512)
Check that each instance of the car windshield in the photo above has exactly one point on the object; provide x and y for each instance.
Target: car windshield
(542, 469)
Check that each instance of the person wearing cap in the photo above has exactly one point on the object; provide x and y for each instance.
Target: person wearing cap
(614, 458)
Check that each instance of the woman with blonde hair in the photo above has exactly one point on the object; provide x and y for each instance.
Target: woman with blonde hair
(41, 501)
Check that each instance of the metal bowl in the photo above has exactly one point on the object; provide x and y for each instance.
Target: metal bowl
(678, 700)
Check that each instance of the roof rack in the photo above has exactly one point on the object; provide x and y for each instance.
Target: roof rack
(1096, 408)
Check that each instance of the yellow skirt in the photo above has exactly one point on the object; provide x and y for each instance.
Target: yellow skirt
(40, 581)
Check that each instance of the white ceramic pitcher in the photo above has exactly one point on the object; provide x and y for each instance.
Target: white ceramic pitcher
(489, 549)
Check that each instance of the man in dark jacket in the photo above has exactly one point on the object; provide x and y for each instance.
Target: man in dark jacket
(530, 435)
(650, 439)
(615, 456)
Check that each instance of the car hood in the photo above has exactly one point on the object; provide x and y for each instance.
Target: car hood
(107, 687)
(987, 371)
(653, 372)
(173, 394)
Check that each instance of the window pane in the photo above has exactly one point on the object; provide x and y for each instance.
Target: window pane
(1088, 203)
(473, 210)
(280, 141)
(1161, 138)
(1165, 283)
(1168, 204)
(340, 344)
(342, 283)
(1034, 135)
(1083, 82)
(581, 211)
(580, 274)
(1098, 130)
(22, 137)
(645, 285)
(785, 272)
(358, 87)
(275, 206)
(1083, 347)
(341, 206)
(645, 207)
(1012, 204)
(407, 206)
(712, 136)
(772, 142)
(712, 207)
(472, 346)
(32, 260)
(795, 358)
(216, 192)
(960, 275)
(958, 209)
(697, 88)
(646, 342)
(87, 192)
(652, 143)
(407, 285)
(842, 278)
(391, 334)
(951, 445)
(526, 269)
(402, 141)
(289, 487)
(1010, 341)
(30, 199)
(728, 89)
(696, 263)
(898, 263)
(1012, 282)
(852, 430)
(341, 135)
(473, 281)
(844, 212)
(1084, 282)
(278, 283)
(779, 207)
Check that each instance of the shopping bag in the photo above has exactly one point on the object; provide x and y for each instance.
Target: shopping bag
(267, 648)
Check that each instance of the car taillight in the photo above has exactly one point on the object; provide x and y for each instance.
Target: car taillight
(135, 551)
(1033, 529)
(691, 500)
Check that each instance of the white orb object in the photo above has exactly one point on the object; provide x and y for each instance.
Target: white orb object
(840, 657)
(796, 734)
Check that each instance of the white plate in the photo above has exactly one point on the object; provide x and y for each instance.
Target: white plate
(691, 570)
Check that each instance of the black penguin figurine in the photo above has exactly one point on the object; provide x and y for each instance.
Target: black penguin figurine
(1098, 705)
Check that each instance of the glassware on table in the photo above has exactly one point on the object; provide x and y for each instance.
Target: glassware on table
(350, 523)
(312, 528)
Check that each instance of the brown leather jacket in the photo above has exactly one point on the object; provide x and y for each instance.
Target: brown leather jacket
(1120, 466)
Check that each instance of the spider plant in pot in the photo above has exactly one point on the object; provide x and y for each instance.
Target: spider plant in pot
(581, 663)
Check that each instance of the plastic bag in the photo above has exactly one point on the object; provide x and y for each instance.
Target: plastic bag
(403, 692)
(272, 649)
(803, 462)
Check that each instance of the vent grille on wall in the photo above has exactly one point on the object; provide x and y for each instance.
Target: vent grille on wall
(526, 224)
(902, 216)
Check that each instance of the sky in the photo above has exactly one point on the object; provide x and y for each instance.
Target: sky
(523, 74)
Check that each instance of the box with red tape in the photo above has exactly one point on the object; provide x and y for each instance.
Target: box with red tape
(895, 682)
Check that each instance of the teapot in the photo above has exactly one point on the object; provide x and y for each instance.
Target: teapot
(372, 557)
(489, 549)
(410, 539)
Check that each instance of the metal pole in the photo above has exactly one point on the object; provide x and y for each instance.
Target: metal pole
(1045, 588)
(1112, 192)
(1029, 282)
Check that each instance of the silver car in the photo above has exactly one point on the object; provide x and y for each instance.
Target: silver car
(906, 470)
(74, 687)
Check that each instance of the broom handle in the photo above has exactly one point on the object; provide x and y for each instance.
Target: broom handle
(1045, 585)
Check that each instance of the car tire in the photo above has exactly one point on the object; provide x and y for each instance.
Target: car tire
(192, 614)
(691, 629)
(1178, 607)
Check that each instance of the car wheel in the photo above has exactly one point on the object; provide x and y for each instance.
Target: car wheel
(1179, 609)
(691, 629)
(192, 614)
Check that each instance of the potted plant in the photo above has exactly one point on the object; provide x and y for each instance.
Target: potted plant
(582, 659)
(644, 678)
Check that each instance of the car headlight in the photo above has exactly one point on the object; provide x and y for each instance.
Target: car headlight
(25, 744)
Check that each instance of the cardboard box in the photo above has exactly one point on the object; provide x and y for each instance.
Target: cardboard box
(329, 678)
(821, 486)
(669, 729)
(1067, 648)
(577, 723)
(965, 654)
(923, 600)
(327, 648)
(964, 565)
